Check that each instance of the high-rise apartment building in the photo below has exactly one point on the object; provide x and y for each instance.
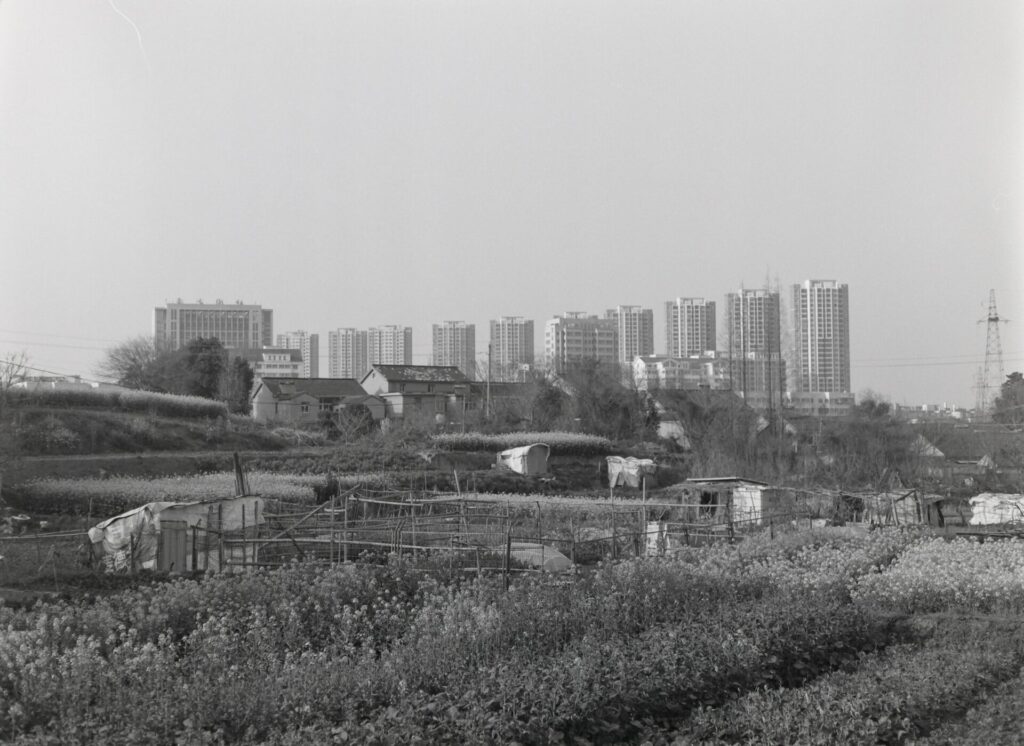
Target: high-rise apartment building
(575, 336)
(511, 347)
(347, 353)
(635, 327)
(240, 327)
(821, 331)
(307, 344)
(755, 339)
(454, 343)
(351, 352)
(690, 327)
(390, 345)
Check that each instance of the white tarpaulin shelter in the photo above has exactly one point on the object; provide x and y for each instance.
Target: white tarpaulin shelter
(543, 557)
(176, 536)
(628, 470)
(992, 507)
(530, 460)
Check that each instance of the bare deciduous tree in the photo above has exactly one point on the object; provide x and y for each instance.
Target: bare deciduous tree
(12, 370)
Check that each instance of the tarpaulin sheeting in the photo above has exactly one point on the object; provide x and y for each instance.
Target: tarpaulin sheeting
(629, 470)
(992, 507)
(131, 540)
(530, 460)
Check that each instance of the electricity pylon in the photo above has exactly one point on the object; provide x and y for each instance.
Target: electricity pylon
(993, 358)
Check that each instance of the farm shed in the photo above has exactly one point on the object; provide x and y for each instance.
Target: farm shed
(629, 471)
(750, 501)
(179, 537)
(530, 460)
(992, 507)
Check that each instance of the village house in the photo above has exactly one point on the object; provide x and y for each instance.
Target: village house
(297, 401)
(439, 392)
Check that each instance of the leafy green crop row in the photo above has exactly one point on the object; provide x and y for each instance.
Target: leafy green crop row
(891, 697)
(165, 405)
(390, 654)
(935, 575)
(759, 642)
(113, 495)
(577, 444)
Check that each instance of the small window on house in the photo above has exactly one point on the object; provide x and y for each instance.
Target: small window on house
(304, 408)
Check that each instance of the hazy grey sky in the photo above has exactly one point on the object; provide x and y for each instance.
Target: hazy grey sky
(407, 162)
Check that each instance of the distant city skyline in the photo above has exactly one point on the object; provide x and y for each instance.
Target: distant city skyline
(352, 164)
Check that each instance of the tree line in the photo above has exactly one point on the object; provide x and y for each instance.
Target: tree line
(202, 368)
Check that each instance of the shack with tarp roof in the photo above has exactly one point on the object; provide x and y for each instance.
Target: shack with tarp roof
(180, 536)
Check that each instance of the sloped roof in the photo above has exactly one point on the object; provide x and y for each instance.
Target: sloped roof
(725, 480)
(432, 373)
(320, 388)
(975, 442)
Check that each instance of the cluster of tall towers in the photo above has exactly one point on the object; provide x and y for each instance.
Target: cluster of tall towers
(758, 339)
(763, 347)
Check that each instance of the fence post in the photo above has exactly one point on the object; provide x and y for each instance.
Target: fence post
(615, 538)
(641, 535)
(334, 499)
(255, 532)
(508, 555)
(245, 544)
(572, 538)
(728, 514)
(220, 537)
(414, 552)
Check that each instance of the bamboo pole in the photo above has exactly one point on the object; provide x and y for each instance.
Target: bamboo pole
(220, 537)
(615, 538)
(333, 499)
(244, 552)
(572, 538)
(255, 531)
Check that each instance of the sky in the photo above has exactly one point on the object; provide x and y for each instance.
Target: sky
(366, 162)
